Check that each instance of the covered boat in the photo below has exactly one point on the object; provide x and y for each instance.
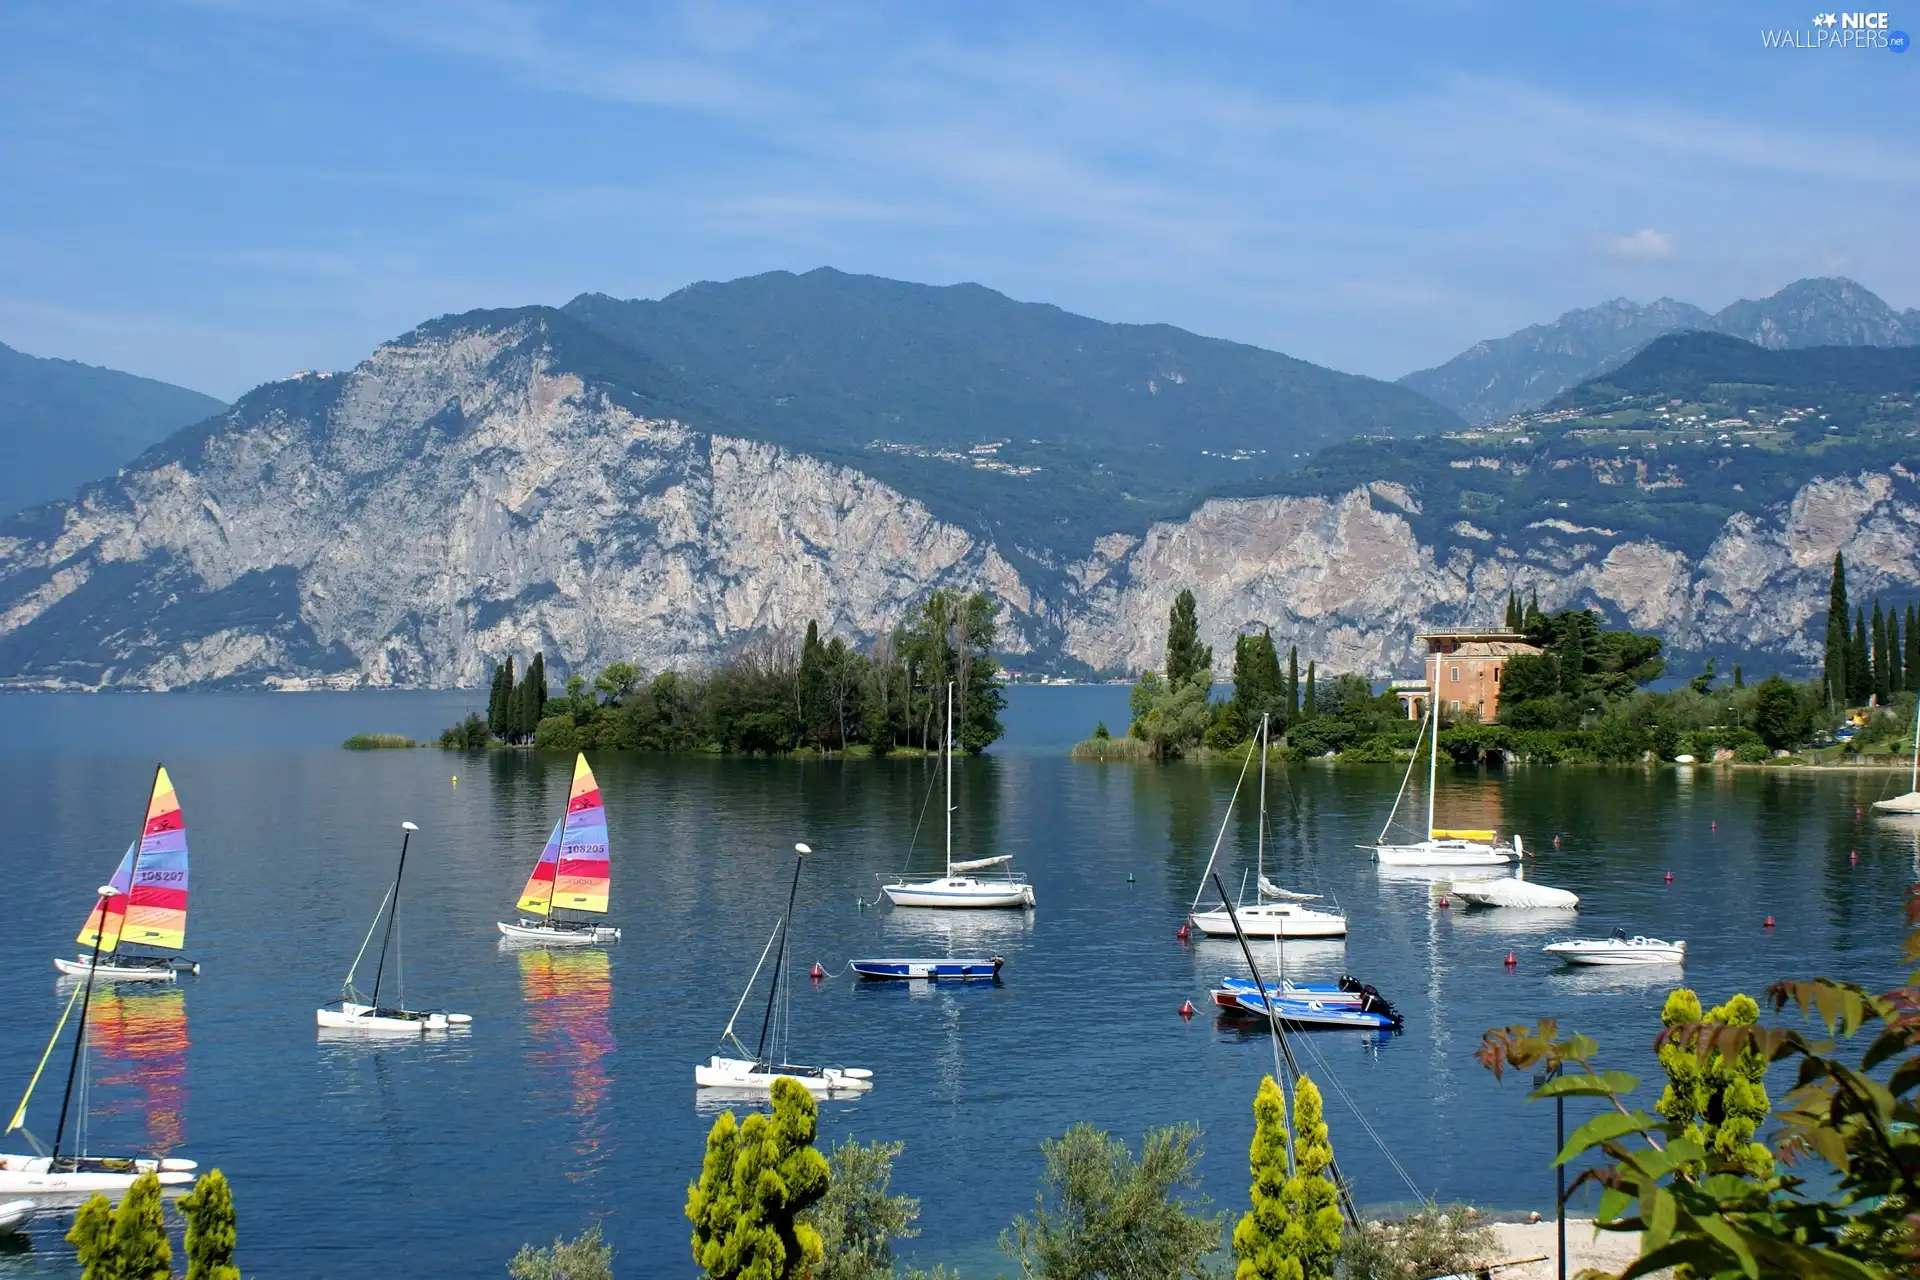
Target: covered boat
(1512, 891)
(573, 873)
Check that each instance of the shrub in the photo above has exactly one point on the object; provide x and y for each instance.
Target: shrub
(379, 741)
(1109, 749)
(586, 1257)
(1430, 1242)
(1381, 748)
(558, 733)
(470, 734)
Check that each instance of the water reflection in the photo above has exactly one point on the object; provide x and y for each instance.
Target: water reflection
(569, 995)
(140, 1037)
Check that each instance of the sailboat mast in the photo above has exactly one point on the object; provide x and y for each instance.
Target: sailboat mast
(93, 965)
(1433, 761)
(1260, 836)
(949, 779)
(780, 959)
(407, 830)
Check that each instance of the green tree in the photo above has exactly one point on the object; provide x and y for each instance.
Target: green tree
(1703, 683)
(1516, 617)
(586, 1257)
(1293, 1230)
(1882, 657)
(1834, 676)
(1170, 718)
(1187, 658)
(1859, 665)
(1715, 1102)
(812, 690)
(92, 1239)
(616, 682)
(859, 1218)
(1910, 659)
(500, 699)
(211, 1231)
(1308, 708)
(1258, 686)
(1896, 676)
(124, 1243)
(1100, 1215)
(1779, 716)
(1293, 683)
(757, 1182)
(1739, 681)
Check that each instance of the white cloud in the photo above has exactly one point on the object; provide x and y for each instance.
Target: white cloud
(1644, 245)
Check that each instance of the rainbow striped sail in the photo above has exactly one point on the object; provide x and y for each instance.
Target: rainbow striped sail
(151, 907)
(573, 872)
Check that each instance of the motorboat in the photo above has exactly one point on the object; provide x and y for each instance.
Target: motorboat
(960, 886)
(1443, 846)
(573, 873)
(1618, 948)
(934, 970)
(1346, 991)
(1372, 1013)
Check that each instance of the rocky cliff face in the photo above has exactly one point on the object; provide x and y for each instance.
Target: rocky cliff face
(469, 492)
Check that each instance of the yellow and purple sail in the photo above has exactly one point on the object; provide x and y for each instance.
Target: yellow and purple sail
(573, 873)
(151, 906)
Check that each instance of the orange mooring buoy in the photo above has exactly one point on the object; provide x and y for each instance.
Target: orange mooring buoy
(1512, 961)
(1444, 902)
(1186, 1008)
(1669, 877)
(1182, 934)
(816, 973)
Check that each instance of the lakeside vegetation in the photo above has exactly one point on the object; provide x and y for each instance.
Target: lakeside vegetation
(774, 697)
(1583, 698)
(379, 742)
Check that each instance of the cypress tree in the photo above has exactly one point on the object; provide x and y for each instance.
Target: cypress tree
(92, 1239)
(1256, 1240)
(1310, 1195)
(538, 674)
(756, 1181)
(1187, 658)
(1293, 1229)
(1896, 678)
(140, 1245)
(1877, 636)
(1293, 683)
(811, 684)
(1515, 618)
(1859, 668)
(1912, 663)
(1738, 683)
(1834, 677)
(210, 1229)
(1307, 711)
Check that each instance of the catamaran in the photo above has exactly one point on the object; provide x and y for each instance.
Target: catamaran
(573, 873)
(959, 886)
(1443, 847)
(355, 1012)
(1275, 912)
(1910, 802)
(755, 1070)
(148, 906)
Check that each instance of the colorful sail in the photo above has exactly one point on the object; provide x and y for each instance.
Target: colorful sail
(151, 907)
(573, 872)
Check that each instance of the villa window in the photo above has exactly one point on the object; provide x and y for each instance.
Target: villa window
(1456, 675)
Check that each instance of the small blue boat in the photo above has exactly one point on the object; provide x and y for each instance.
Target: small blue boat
(937, 970)
(1374, 1015)
(1348, 991)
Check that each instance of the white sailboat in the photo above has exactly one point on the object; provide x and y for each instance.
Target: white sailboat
(1442, 847)
(1910, 802)
(1275, 912)
(57, 1171)
(352, 1011)
(755, 1071)
(959, 886)
(573, 873)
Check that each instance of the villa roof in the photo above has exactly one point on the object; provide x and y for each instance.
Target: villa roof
(1504, 647)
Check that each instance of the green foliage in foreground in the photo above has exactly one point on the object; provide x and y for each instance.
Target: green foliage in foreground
(859, 1218)
(1704, 1200)
(124, 1243)
(1102, 1214)
(211, 1234)
(1293, 1230)
(586, 1257)
(757, 1184)
(1434, 1241)
(378, 742)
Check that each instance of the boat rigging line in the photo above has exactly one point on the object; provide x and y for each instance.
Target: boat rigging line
(1211, 857)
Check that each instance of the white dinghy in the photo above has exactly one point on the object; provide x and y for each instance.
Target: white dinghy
(574, 873)
(959, 886)
(1443, 847)
(1618, 948)
(755, 1071)
(1910, 802)
(15, 1214)
(1275, 912)
(352, 1011)
(1512, 891)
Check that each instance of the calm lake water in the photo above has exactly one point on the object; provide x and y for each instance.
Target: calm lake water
(572, 1098)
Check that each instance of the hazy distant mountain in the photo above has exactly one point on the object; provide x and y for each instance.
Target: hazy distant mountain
(1498, 378)
(63, 423)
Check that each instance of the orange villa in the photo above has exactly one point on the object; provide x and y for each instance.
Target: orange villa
(1463, 672)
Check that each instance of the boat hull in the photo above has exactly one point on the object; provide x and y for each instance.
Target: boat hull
(1442, 853)
(1326, 994)
(35, 1176)
(1616, 952)
(960, 892)
(1273, 921)
(15, 1214)
(1507, 892)
(742, 1074)
(1314, 1014)
(943, 970)
(109, 971)
(348, 1016)
(547, 935)
(1908, 803)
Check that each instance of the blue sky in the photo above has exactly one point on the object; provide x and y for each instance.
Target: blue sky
(220, 193)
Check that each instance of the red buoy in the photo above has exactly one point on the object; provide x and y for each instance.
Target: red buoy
(1511, 961)
(1715, 826)
(1769, 923)
(1186, 1008)
(1182, 935)
(1556, 842)
(1669, 877)
(1856, 813)
(1444, 902)
(1853, 857)
(817, 973)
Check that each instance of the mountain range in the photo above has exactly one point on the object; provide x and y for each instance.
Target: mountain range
(1500, 377)
(662, 481)
(63, 423)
